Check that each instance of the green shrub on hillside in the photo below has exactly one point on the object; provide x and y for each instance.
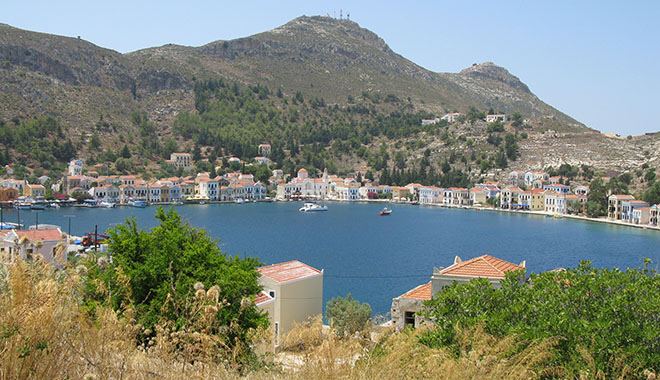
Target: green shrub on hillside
(604, 315)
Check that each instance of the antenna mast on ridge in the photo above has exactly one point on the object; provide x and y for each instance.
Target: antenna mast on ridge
(340, 14)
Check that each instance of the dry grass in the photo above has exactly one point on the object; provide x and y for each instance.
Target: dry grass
(44, 334)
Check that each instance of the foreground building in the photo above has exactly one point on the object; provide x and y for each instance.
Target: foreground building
(296, 290)
(405, 307)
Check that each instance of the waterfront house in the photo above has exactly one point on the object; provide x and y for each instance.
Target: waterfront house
(175, 193)
(430, 195)
(34, 191)
(405, 307)
(509, 196)
(29, 243)
(478, 195)
(575, 203)
(126, 193)
(641, 215)
(414, 189)
(141, 190)
(187, 189)
(164, 192)
(457, 196)
(555, 203)
(8, 194)
(628, 206)
(654, 214)
(208, 189)
(348, 192)
(297, 290)
(614, 205)
(401, 193)
(532, 200)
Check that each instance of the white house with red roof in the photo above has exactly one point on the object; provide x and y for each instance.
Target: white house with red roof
(405, 307)
(29, 243)
(297, 290)
(530, 177)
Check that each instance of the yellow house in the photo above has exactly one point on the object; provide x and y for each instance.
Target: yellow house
(297, 293)
(401, 192)
(34, 191)
(533, 200)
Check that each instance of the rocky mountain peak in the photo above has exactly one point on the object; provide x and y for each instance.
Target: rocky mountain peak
(489, 70)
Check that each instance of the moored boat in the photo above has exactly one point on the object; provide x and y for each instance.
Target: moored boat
(313, 206)
(22, 205)
(106, 204)
(385, 211)
(137, 203)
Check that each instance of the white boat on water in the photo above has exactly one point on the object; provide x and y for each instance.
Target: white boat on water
(239, 200)
(105, 204)
(313, 206)
(137, 203)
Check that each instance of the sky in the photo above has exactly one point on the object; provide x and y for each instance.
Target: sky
(593, 60)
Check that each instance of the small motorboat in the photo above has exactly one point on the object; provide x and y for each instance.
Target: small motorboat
(106, 204)
(137, 203)
(385, 211)
(313, 206)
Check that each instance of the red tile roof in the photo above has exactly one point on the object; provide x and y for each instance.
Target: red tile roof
(482, 266)
(422, 292)
(289, 271)
(262, 297)
(40, 235)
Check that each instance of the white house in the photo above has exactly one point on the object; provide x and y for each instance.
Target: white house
(297, 290)
(405, 307)
(28, 243)
(75, 167)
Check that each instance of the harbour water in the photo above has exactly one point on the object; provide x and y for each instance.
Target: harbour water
(376, 258)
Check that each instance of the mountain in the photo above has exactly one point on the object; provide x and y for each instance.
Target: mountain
(91, 89)
(319, 56)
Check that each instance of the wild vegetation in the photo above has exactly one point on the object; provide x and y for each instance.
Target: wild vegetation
(605, 320)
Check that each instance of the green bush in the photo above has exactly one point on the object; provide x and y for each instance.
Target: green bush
(347, 315)
(611, 315)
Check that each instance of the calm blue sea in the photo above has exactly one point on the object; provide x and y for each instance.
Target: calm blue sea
(377, 258)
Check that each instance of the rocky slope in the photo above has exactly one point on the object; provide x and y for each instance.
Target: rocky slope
(319, 56)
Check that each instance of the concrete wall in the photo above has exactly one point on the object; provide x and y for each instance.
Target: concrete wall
(295, 301)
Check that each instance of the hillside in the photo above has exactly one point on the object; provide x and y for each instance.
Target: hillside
(94, 92)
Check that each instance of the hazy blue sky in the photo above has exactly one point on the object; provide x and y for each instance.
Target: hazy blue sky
(594, 60)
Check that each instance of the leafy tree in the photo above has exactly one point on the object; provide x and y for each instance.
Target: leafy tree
(400, 160)
(125, 152)
(511, 146)
(95, 141)
(650, 175)
(609, 313)
(597, 204)
(652, 194)
(163, 265)
(263, 174)
(347, 315)
(516, 119)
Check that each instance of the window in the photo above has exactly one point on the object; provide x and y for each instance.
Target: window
(271, 293)
(409, 319)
